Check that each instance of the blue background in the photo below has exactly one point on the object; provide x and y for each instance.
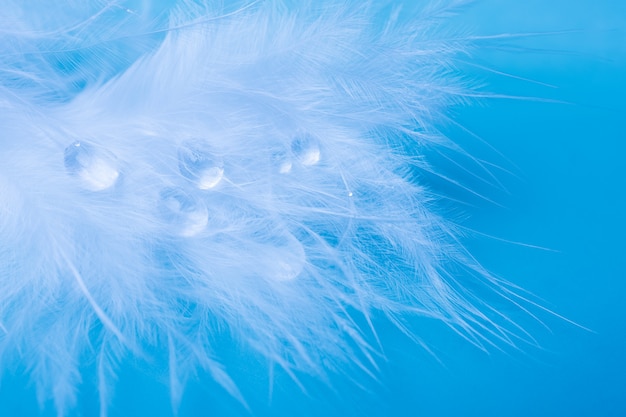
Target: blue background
(566, 192)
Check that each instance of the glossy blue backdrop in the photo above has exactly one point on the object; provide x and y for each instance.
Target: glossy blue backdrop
(567, 193)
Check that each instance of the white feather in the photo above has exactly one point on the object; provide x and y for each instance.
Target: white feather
(246, 167)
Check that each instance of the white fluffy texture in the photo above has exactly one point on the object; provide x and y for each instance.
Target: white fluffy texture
(168, 172)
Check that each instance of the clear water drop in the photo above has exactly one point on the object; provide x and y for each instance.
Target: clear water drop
(306, 148)
(281, 161)
(96, 168)
(287, 271)
(186, 214)
(199, 163)
(287, 257)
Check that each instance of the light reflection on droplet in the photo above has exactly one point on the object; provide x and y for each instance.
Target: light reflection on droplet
(199, 164)
(306, 148)
(186, 214)
(96, 168)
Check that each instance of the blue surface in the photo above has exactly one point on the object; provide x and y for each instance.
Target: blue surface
(566, 193)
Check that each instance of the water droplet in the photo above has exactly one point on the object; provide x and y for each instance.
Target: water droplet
(96, 168)
(285, 257)
(306, 148)
(286, 270)
(199, 164)
(281, 161)
(186, 214)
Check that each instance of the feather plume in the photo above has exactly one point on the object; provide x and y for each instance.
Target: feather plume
(168, 170)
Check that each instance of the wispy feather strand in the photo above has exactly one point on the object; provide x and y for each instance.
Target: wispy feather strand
(169, 170)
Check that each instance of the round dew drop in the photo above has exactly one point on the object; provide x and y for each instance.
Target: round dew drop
(281, 161)
(186, 215)
(286, 257)
(289, 268)
(306, 148)
(200, 165)
(97, 169)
